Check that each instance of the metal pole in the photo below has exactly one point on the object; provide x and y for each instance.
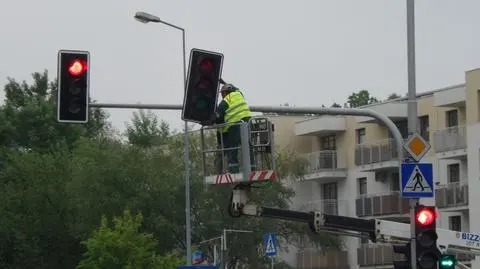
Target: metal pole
(222, 258)
(186, 161)
(412, 108)
(290, 110)
(225, 260)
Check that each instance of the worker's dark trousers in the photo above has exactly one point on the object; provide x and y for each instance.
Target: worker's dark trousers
(233, 139)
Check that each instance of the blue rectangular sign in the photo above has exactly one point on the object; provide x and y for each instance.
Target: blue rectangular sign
(417, 180)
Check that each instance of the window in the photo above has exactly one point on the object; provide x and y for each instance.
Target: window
(402, 126)
(455, 223)
(424, 126)
(328, 142)
(395, 183)
(452, 118)
(360, 136)
(329, 191)
(362, 186)
(453, 171)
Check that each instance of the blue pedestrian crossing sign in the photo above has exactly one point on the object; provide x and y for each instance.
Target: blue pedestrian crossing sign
(270, 244)
(417, 180)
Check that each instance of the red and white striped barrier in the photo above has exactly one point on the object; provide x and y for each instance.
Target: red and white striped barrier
(262, 175)
(228, 178)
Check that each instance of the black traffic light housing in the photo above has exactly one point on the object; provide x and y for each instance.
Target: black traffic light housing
(73, 86)
(204, 73)
(427, 252)
(406, 250)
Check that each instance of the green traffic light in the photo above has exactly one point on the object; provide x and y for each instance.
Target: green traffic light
(447, 261)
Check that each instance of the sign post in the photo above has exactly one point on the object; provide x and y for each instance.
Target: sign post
(417, 181)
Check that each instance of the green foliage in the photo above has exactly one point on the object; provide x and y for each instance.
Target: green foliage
(120, 247)
(361, 98)
(393, 96)
(59, 180)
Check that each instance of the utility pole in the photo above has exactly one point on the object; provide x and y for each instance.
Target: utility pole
(412, 108)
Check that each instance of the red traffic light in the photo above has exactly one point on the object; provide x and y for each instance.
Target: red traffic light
(77, 67)
(206, 65)
(425, 217)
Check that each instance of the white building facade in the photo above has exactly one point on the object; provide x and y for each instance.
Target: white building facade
(354, 169)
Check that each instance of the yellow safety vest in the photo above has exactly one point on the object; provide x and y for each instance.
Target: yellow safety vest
(237, 109)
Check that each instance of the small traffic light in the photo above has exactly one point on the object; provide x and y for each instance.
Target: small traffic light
(204, 73)
(73, 86)
(406, 251)
(427, 252)
(447, 262)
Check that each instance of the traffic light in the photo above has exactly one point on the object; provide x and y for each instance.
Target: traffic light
(447, 262)
(426, 249)
(406, 251)
(204, 73)
(73, 86)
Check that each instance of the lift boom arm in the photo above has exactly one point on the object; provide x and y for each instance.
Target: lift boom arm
(377, 230)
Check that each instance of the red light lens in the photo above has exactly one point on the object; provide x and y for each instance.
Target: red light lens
(76, 68)
(206, 65)
(425, 217)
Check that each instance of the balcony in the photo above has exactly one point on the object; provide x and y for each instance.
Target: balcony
(394, 110)
(328, 206)
(451, 97)
(451, 143)
(381, 205)
(321, 125)
(452, 195)
(323, 165)
(376, 255)
(381, 154)
(382, 254)
(317, 259)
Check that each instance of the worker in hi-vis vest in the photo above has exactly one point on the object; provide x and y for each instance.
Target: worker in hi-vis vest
(232, 109)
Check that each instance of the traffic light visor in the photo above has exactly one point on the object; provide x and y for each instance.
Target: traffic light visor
(77, 67)
(425, 217)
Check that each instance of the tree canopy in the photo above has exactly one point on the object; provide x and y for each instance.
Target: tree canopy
(61, 183)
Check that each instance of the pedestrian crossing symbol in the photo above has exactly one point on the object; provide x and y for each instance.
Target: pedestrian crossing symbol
(269, 243)
(417, 180)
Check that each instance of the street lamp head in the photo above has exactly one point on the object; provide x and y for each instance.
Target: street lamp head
(144, 17)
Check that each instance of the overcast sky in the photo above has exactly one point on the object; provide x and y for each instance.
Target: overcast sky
(305, 53)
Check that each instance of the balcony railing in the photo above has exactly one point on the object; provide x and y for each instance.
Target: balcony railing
(380, 254)
(452, 195)
(317, 259)
(380, 151)
(451, 138)
(376, 255)
(320, 161)
(381, 204)
(328, 206)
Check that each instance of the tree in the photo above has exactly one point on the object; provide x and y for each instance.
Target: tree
(361, 98)
(124, 247)
(393, 96)
(146, 130)
(336, 105)
(28, 116)
(55, 188)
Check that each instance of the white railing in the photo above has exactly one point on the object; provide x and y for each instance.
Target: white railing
(318, 259)
(381, 204)
(452, 194)
(320, 161)
(376, 152)
(375, 255)
(451, 138)
(328, 206)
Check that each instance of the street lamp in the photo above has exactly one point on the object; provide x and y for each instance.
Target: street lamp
(144, 17)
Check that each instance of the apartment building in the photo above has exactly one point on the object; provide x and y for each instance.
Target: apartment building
(353, 169)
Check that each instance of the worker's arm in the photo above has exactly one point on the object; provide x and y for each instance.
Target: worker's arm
(222, 108)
